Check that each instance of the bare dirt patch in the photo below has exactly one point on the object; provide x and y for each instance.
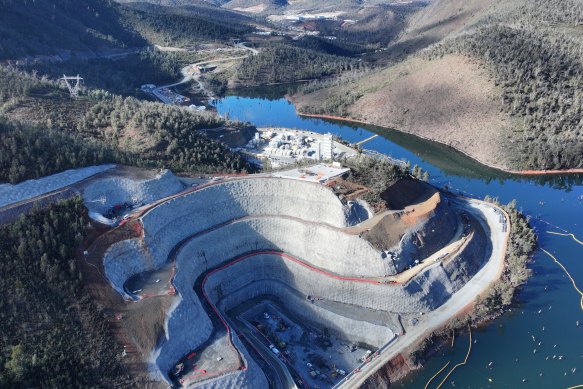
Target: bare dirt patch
(136, 326)
(407, 202)
(450, 100)
(407, 191)
(389, 230)
(348, 189)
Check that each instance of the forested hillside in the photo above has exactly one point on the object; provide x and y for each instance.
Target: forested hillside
(501, 81)
(32, 27)
(86, 27)
(539, 67)
(100, 127)
(284, 63)
(51, 333)
(32, 152)
(118, 75)
(161, 135)
(186, 26)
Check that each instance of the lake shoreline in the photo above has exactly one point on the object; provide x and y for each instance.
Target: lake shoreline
(500, 168)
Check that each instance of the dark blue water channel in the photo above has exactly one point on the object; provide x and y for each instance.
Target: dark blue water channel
(549, 307)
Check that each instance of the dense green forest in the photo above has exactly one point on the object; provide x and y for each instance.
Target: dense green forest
(283, 63)
(375, 29)
(541, 77)
(169, 27)
(51, 333)
(520, 248)
(122, 75)
(101, 127)
(161, 134)
(327, 46)
(15, 84)
(30, 27)
(374, 173)
(30, 152)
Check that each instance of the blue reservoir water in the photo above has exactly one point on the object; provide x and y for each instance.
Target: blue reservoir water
(549, 306)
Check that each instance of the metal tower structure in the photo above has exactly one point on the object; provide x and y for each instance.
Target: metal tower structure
(73, 89)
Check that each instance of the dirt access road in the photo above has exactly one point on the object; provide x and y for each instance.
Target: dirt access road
(463, 298)
(191, 73)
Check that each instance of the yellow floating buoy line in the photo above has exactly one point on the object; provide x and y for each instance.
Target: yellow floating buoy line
(461, 363)
(567, 273)
(551, 224)
(436, 374)
(568, 234)
(446, 365)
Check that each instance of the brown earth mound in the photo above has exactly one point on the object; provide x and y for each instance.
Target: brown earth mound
(407, 191)
(389, 230)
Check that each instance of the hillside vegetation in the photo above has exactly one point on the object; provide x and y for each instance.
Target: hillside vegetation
(521, 246)
(52, 334)
(118, 75)
(90, 27)
(284, 63)
(511, 93)
(100, 127)
(32, 27)
(410, 97)
(540, 73)
(30, 152)
(186, 26)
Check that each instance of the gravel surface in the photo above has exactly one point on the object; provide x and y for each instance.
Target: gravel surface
(10, 194)
(458, 302)
(103, 194)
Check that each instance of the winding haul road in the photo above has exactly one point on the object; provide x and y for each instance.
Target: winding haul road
(459, 301)
(282, 375)
(190, 74)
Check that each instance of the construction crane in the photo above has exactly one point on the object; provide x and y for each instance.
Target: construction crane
(73, 89)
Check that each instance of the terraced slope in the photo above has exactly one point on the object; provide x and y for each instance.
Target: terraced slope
(251, 237)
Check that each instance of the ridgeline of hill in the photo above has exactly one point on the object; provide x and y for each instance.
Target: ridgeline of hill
(280, 63)
(501, 81)
(45, 27)
(186, 26)
(86, 28)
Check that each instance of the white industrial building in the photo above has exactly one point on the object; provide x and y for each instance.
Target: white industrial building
(284, 146)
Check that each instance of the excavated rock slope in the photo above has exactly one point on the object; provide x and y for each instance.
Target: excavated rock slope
(209, 228)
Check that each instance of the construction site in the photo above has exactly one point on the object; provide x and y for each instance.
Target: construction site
(283, 280)
(285, 146)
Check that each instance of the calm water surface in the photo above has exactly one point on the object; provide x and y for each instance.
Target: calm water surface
(553, 201)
